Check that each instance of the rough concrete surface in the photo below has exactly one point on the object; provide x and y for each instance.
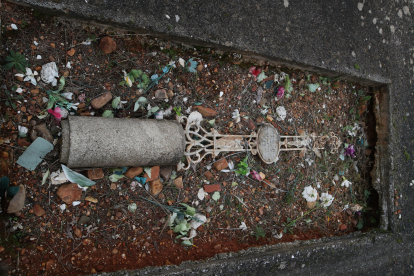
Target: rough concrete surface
(334, 38)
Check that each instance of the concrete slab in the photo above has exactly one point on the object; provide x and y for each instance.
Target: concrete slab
(331, 37)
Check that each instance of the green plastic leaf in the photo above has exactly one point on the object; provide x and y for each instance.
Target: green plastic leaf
(154, 109)
(50, 103)
(261, 77)
(190, 210)
(12, 191)
(135, 73)
(4, 183)
(42, 116)
(140, 102)
(108, 113)
(187, 242)
(116, 102)
(77, 178)
(212, 122)
(136, 106)
(45, 177)
(313, 86)
(62, 84)
(216, 196)
(115, 177)
(234, 184)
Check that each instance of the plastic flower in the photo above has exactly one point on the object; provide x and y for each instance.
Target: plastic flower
(281, 113)
(346, 183)
(326, 199)
(127, 79)
(57, 113)
(255, 71)
(29, 76)
(310, 194)
(350, 151)
(256, 175)
(49, 73)
(22, 131)
(280, 92)
(236, 115)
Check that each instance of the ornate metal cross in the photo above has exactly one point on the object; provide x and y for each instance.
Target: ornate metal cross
(267, 142)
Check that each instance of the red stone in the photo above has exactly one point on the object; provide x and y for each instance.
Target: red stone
(69, 193)
(38, 210)
(208, 175)
(343, 227)
(101, 100)
(221, 164)
(107, 45)
(212, 188)
(95, 174)
(206, 111)
(155, 174)
(132, 172)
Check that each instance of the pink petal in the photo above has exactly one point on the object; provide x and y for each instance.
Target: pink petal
(57, 115)
(255, 175)
(280, 92)
(251, 69)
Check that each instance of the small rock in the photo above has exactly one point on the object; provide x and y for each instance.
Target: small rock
(217, 247)
(107, 45)
(100, 267)
(69, 193)
(43, 132)
(208, 175)
(259, 120)
(17, 202)
(155, 174)
(147, 244)
(18, 78)
(95, 174)
(71, 52)
(166, 173)
(178, 182)
(161, 94)
(101, 100)
(186, 199)
(91, 199)
(115, 251)
(50, 265)
(212, 188)
(206, 111)
(155, 187)
(343, 227)
(221, 164)
(170, 94)
(23, 143)
(311, 204)
(133, 172)
(40, 248)
(113, 186)
(93, 270)
(262, 175)
(1, 249)
(250, 124)
(200, 67)
(38, 210)
(83, 220)
(78, 233)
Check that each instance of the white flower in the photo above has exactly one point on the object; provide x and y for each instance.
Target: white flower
(76, 203)
(127, 79)
(194, 118)
(354, 130)
(236, 115)
(74, 106)
(19, 90)
(346, 183)
(243, 226)
(281, 113)
(35, 43)
(49, 73)
(326, 199)
(67, 95)
(201, 194)
(181, 62)
(22, 131)
(28, 76)
(310, 194)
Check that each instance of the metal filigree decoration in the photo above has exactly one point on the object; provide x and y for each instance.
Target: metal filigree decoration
(267, 142)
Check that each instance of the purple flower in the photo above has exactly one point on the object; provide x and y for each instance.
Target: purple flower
(280, 92)
(350, 151)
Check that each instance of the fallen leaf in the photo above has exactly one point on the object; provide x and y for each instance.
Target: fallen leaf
(71, 52)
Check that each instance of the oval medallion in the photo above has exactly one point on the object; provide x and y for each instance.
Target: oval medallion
(268, 143)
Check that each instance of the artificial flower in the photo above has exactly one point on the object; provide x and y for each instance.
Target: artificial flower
(19, 90)
(29, 76)
(326, 199)
(255, 71)
(281, 113)
(127, 79)
(22, 131)
(350, 151)
(310, 194)
(57, 113)
(280, 92)
(256, 175)
(236, 115)
(49, 73)
(346, 183)
(67, 95)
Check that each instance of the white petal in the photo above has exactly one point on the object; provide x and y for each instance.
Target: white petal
(14, 27)
(75, 203)
(28, 71)
(19, 75)
(201, 194)
(54, 82)
(35, 73)
(39, 57)
(35, 43)
(19, 90)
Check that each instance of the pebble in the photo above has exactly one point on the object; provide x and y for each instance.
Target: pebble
(250, 124)
(100, 267)
(166, 173)
(17, 202)
(161, 94)
(44, 132)
(91, 199)
(78, 233)
(69, 193)
(170, 94)
(101, 100)
(212, 188)
(155, 174)
(107, 45)
(178, 182)
(95, 174)
(206, 111)
(38, 210)
(115, 251)
(133, 172)
(23, 143)
(221, 164)
(83, 220)
(156, 187)
(208, 175)
(186, 199)
(200, 67)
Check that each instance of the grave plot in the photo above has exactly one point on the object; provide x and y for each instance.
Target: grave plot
(105, 219)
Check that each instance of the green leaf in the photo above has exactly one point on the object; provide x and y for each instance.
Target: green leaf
(190, 210)
(51, 102)
(42, 116)
(122, 82)
(187, 242)
(108, 113)
(61, 85)
(145, 78)
(313, 86)
(234, 184)
(77, 178)
(45, 177)
(216, 196)
(9, 65)
(4, 183)
(115, 177)
(136, 106)
(135, 73)
(116, 102)
(261, 77)
(288, 84)
(12, 191)
(212, 122)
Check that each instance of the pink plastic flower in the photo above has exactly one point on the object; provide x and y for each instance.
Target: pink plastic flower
(255, 71)
(280, 92)
(81, 97)
(256, 175)
(57, 113)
